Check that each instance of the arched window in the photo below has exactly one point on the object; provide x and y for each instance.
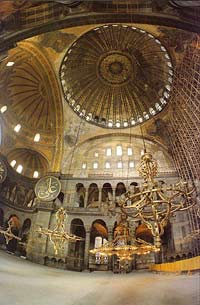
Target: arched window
(108, 152)
(93, 196)
(80, 195)
(19, 168)
(119, 150)
(107, 165)
(119, 164)
(37, 137)
(98, 229)
(107, 192)
(13, 163)
(120, 189)
(76, 249)
(95, 165)
(129, 151)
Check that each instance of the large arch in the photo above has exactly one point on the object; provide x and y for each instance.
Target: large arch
(76, 249)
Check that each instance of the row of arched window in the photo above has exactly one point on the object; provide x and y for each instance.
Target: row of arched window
(109, 165)
(93, 195)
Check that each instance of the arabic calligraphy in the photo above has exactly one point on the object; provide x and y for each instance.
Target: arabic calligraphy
(47, 188)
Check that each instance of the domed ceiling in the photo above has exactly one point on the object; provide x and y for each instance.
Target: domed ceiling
(27, 91)
(116, 76)
(30, 160)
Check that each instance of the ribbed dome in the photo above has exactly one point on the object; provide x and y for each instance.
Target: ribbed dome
(30, 160)
(116, 76)
(28, 92)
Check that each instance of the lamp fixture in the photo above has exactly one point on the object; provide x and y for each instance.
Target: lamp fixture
(58, 236)
(8, 232)
(124, 246)
(155, 202)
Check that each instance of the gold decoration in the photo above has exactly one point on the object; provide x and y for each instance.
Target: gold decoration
(155, 202)
(123, 68)
(8, 232)
(124, 245)
(58, 236)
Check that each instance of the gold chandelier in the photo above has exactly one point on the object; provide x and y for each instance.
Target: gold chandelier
(8, 232)
(124, 250)
(124, 245)
(58, 236)
(155, 202)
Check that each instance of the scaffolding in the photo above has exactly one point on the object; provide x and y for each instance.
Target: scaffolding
(184, 124)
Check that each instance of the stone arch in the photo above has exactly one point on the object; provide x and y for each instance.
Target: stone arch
(120, 189)
(190, 255)
(80, 195)
(98, 229)
(142, 232)
(25, 230)
(119, 192)
(107, 192)
(93, 196)
(76, 250)
(12, 244)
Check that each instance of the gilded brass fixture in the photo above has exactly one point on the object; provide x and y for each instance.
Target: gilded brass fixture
(8, 232)
(124, 245)
(58, 236)
(155, 202)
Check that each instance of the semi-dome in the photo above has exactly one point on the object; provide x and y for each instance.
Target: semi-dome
(28, 162)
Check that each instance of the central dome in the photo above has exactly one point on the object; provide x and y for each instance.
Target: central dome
(116, 76)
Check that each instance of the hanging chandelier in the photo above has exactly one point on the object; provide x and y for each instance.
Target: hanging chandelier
(58, 236)
(8, 234)
(124, 245)
(154, 202)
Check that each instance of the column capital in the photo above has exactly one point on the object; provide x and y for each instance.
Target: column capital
(87, 228)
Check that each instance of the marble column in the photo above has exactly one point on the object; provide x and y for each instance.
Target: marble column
(37, 244)
(110, 238)
(86, 198)
(100, 196)
(114, 199)
(66, 200)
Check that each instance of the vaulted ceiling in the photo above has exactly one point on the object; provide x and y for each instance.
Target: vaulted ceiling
(111, 63)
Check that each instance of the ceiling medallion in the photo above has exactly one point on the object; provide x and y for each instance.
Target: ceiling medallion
(116, 76)
(115, 68)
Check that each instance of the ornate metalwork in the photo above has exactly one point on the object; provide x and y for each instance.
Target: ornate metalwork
(155, 202)
(58, 236)
(116, 76)
(8, 232)
(124, 245)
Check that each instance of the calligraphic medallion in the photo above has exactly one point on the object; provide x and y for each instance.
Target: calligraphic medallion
(47, 188)
(3, 171)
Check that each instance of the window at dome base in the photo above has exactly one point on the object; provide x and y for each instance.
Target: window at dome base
(13, 163)
(19, 168)
(35, 174)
